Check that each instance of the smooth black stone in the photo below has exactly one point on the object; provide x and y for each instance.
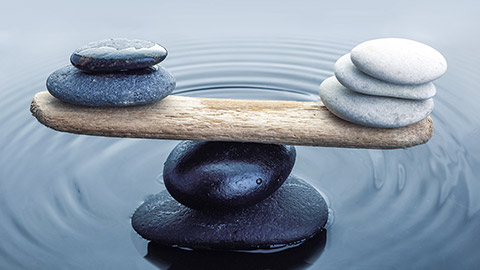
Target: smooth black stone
(118, 54)
(128, 88)
(300, 257)
(203, 174)
(294, 213)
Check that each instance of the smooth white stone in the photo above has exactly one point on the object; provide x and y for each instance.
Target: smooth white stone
(352, 78)
(373, 111)
(398, 60)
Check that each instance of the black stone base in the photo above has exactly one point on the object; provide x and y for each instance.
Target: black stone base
(294, 213)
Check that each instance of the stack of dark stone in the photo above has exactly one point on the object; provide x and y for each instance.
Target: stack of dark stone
(231, 196)
(113, 72)
(220, 195)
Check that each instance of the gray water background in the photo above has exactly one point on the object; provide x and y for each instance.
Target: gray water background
(66, 200)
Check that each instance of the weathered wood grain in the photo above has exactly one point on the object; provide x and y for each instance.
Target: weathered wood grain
(181, 118)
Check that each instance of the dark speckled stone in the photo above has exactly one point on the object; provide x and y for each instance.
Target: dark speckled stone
(203, 174)
(294, 213)
(118, 54)
(134, 87)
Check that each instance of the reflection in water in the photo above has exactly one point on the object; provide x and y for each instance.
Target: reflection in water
(299, 257)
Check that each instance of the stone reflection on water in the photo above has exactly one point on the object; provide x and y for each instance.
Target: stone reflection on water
(300, 257)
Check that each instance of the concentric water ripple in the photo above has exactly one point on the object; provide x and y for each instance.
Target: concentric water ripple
(66, 199)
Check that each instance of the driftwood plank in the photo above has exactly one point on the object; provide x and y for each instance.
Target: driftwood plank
(189, 118)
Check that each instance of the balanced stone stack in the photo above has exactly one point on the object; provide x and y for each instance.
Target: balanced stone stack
(233, 196)
(385, 83)
(113, 72)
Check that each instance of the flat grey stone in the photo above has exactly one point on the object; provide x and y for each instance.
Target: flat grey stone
(129, 88)
(206, 175)
(398, 60)
(373, 111)
(294, 213)
(352, 78)
(117, 54)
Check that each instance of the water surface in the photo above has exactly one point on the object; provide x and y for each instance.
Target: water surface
(66, 200)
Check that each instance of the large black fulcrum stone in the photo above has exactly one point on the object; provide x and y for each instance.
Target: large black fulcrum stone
(206, 175)
(294, 213)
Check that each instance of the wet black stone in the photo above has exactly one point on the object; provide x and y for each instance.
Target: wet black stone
(118, 54)
(128, 88)
(203, 174)
(294, 213)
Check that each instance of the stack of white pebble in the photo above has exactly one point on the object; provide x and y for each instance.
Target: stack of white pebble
(384, 83)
